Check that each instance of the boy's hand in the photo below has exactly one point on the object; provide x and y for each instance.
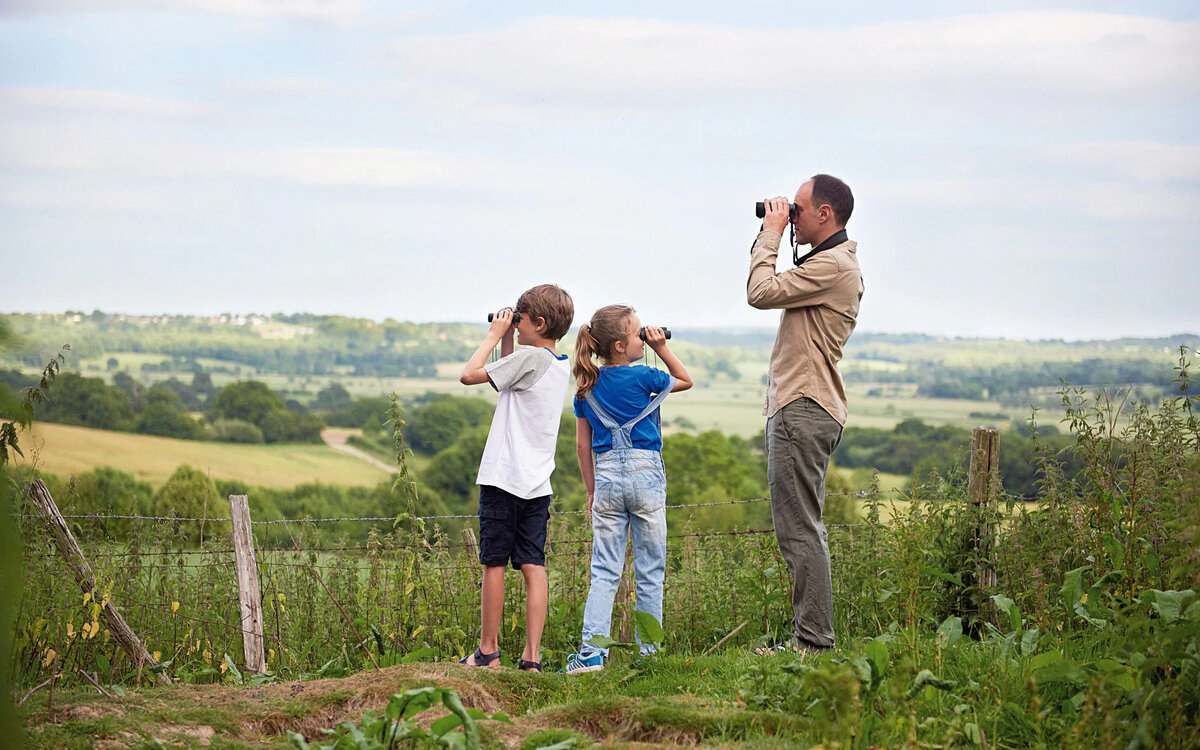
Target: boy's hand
(502, 322)
(656, 338)
(591, 499)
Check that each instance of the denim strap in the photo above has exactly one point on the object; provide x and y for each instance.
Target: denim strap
(622, 434)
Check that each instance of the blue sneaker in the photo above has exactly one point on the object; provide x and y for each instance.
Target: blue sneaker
(577, 664)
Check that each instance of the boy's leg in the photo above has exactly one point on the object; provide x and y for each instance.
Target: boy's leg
(496, 539)
(529, 555)
(648, 522)
(491, 605)
(535, 609)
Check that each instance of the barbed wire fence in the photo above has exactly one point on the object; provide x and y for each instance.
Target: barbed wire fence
(407, 592)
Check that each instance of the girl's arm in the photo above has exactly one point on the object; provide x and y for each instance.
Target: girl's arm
(657, 340)
(583, 449)
(473, 372)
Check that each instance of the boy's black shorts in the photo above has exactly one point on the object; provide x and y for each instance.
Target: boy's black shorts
(512, 528)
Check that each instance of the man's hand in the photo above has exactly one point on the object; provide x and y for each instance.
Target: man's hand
(778, 214)
(656, 339)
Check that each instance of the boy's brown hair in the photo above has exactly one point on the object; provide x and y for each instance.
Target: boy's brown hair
(551, 302)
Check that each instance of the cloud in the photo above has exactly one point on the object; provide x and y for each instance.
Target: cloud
(81, 150)
(1058, 54)
(25, 100)
(324, 12)
(1143, 160)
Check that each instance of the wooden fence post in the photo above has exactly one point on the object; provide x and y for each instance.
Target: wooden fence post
(73, 556)
(625, 626)
(985, 465)
(247, 580)
(472, 550)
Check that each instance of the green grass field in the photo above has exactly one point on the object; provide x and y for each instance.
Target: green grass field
(65, 450)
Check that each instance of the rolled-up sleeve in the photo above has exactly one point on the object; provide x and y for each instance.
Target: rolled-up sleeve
(799, 287)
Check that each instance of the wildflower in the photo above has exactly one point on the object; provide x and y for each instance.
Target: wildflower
(157, 655)
(174, 608)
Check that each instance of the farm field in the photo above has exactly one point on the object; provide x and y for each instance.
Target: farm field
(65, 450)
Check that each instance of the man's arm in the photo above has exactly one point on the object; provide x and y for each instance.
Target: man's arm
(800, 287)
(501, 332)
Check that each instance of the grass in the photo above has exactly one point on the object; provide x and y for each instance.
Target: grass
(66, 450)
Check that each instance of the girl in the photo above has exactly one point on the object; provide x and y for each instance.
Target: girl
(619, 443)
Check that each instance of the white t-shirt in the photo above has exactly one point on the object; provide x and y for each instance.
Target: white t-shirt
(519, 455)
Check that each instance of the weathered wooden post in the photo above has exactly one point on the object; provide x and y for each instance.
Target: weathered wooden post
(247, 578)
(73, 556)
(472, 550)
(985, 466)
(625, 626)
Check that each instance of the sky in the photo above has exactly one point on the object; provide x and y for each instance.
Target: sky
(1023, 170)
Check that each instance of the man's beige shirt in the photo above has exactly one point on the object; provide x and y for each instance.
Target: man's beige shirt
(820, 302)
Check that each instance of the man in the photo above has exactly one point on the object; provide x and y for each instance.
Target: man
(806, 399)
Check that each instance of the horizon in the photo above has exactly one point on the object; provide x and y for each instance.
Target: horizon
(766, 329)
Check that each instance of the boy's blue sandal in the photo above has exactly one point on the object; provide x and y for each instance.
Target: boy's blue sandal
(481, 659)
(577, 664)
(527, 666)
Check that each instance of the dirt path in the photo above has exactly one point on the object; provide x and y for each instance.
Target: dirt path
(336, 439)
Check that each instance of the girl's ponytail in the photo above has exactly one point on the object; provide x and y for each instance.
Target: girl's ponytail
(586, 372)
(595, 339)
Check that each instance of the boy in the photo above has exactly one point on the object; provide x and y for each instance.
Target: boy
(514, 474)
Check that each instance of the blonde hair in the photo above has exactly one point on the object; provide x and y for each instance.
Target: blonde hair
(595, 340)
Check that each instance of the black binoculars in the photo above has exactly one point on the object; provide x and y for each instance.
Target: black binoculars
(642, 333)
(516, 317)
(760, 210)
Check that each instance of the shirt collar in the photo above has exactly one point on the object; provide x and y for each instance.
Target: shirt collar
(833, 240)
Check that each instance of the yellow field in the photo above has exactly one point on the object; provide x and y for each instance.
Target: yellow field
(65, 450)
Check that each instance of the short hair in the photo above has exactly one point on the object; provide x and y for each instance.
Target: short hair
(551, 302)
(828, 189)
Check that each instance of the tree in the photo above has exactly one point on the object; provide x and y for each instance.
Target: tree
(88, 402)
(189, 493)
(248, 400)
(331, 398)
(166, 415)
(434, 426)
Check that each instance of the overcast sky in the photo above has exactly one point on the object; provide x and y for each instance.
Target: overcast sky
(1020, 169)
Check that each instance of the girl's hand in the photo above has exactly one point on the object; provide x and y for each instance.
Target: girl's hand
(502, 322)
(656, 338)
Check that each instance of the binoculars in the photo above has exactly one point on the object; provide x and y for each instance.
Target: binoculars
(760, 210)
(642, 333)
(516, 317)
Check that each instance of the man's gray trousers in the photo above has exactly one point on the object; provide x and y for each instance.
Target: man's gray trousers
(799, 439)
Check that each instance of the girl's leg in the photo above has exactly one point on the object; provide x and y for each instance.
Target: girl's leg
(610, 529)
(648, 521)
(535, 609)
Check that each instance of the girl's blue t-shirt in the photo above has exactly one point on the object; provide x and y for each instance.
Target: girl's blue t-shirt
(624, 391)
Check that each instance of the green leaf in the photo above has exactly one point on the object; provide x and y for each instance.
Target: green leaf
(1010, 610)
(648, 628)
(1061, 670)
(1168, 604)
(416, 700)
(451, 701)
(105, 667)
(877, 655)
(1072, 588)
(445, 724)
(926, 678)
(417, 655)
(603, 641)
(233, 670)
(929, 570)
(949, 631)
(1029, 641)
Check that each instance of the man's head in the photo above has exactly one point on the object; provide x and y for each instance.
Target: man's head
(548, 305)
(823, 206)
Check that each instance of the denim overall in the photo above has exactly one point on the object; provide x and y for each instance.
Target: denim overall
(631, 496)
